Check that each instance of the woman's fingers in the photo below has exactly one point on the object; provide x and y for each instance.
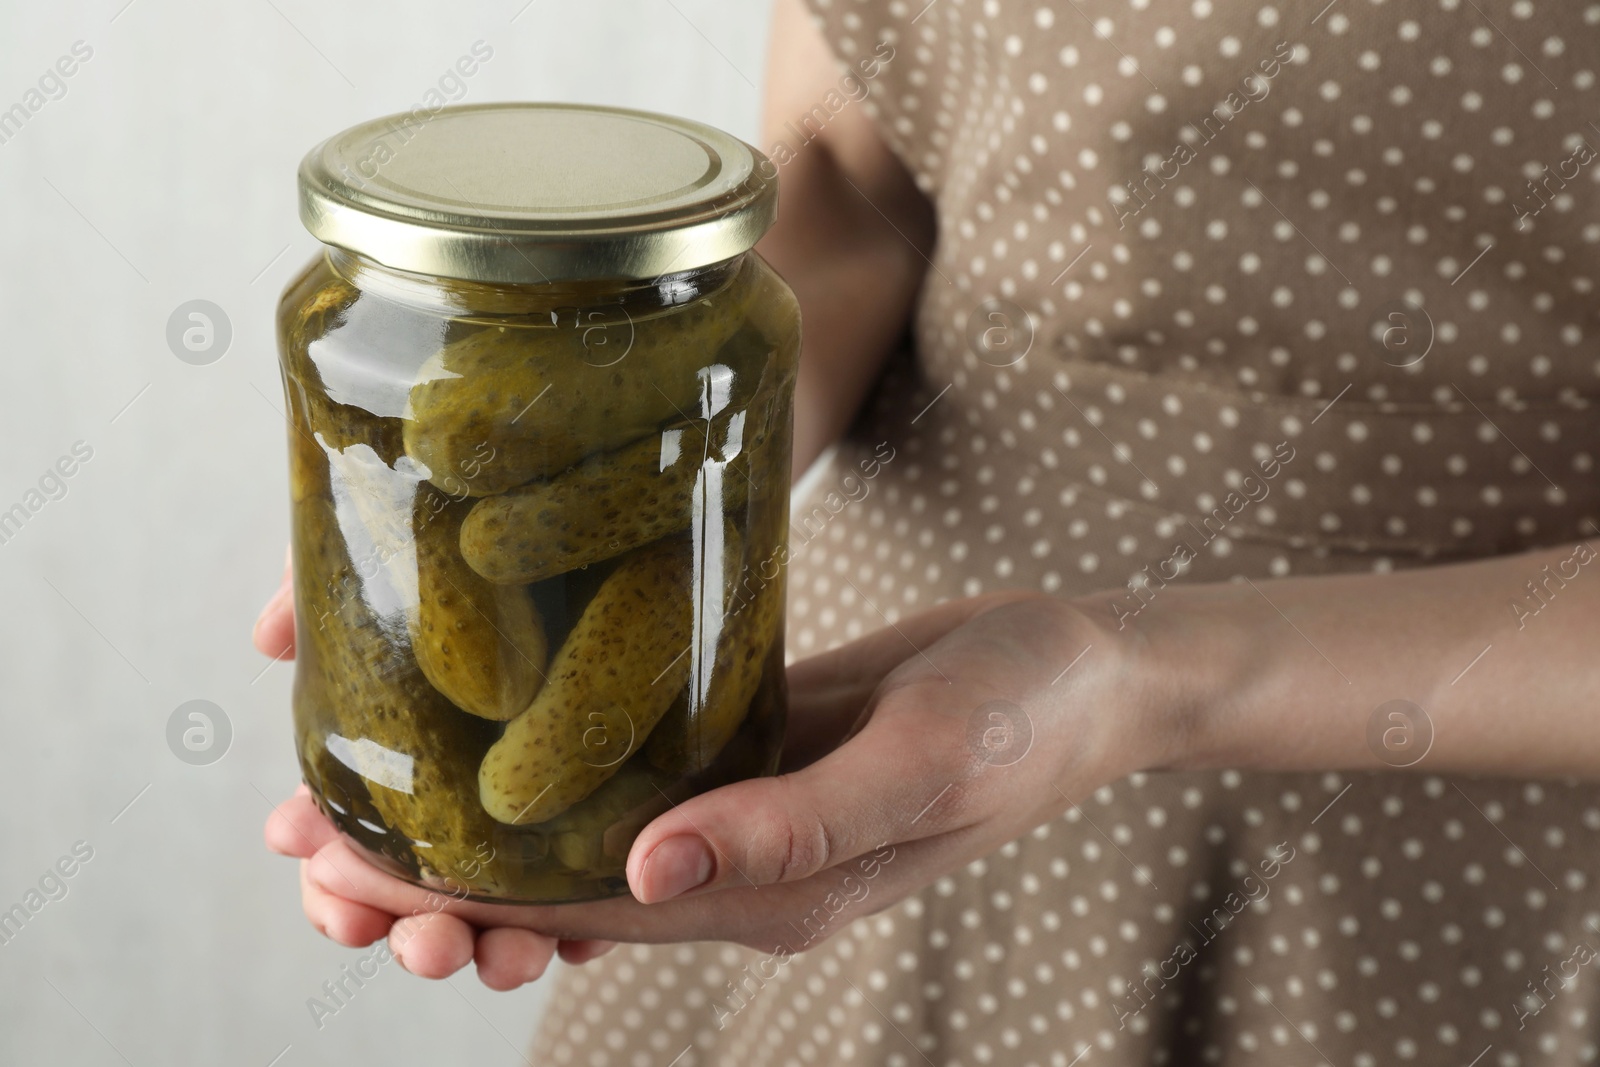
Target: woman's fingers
(579, 952)
(509, 957)
(432, 945)
(296, 828)
(897, 779)
(274, 630)
(429, 943)
(829, 692)
(339, 869)
(344, 921)
(906, 772)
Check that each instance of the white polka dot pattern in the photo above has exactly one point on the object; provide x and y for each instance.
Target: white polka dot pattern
(1303, 289)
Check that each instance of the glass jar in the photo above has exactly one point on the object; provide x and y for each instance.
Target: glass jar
(539, 396)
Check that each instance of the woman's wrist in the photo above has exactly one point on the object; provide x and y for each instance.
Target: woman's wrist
(1213, 682)
(1156, 687)
(1439, 669)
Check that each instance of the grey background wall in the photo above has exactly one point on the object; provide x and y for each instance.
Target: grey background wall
(162, 171)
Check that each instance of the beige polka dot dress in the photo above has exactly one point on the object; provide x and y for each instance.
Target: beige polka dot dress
(1303, 288)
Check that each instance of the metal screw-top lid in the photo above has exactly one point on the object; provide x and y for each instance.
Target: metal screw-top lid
(538, 193)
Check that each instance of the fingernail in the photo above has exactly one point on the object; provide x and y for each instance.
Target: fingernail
(677, 865)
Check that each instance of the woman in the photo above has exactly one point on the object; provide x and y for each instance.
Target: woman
(1300, 297)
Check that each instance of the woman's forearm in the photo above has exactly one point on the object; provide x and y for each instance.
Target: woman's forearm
(854, 274)
(1501, 656)
(853, 234)
(854, 304)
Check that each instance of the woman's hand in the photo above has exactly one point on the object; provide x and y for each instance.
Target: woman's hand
(425, 939)
(910, 752)
(506, 957)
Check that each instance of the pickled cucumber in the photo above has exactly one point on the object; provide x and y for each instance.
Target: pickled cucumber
(688, 739)
(513, 404)
(694, 731)
(610, 502)
(616, 674)
(480, 644)
(596, 833)
(377, 714)
(311, 309)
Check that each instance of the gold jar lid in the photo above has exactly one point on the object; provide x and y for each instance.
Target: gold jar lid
(538, 193)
